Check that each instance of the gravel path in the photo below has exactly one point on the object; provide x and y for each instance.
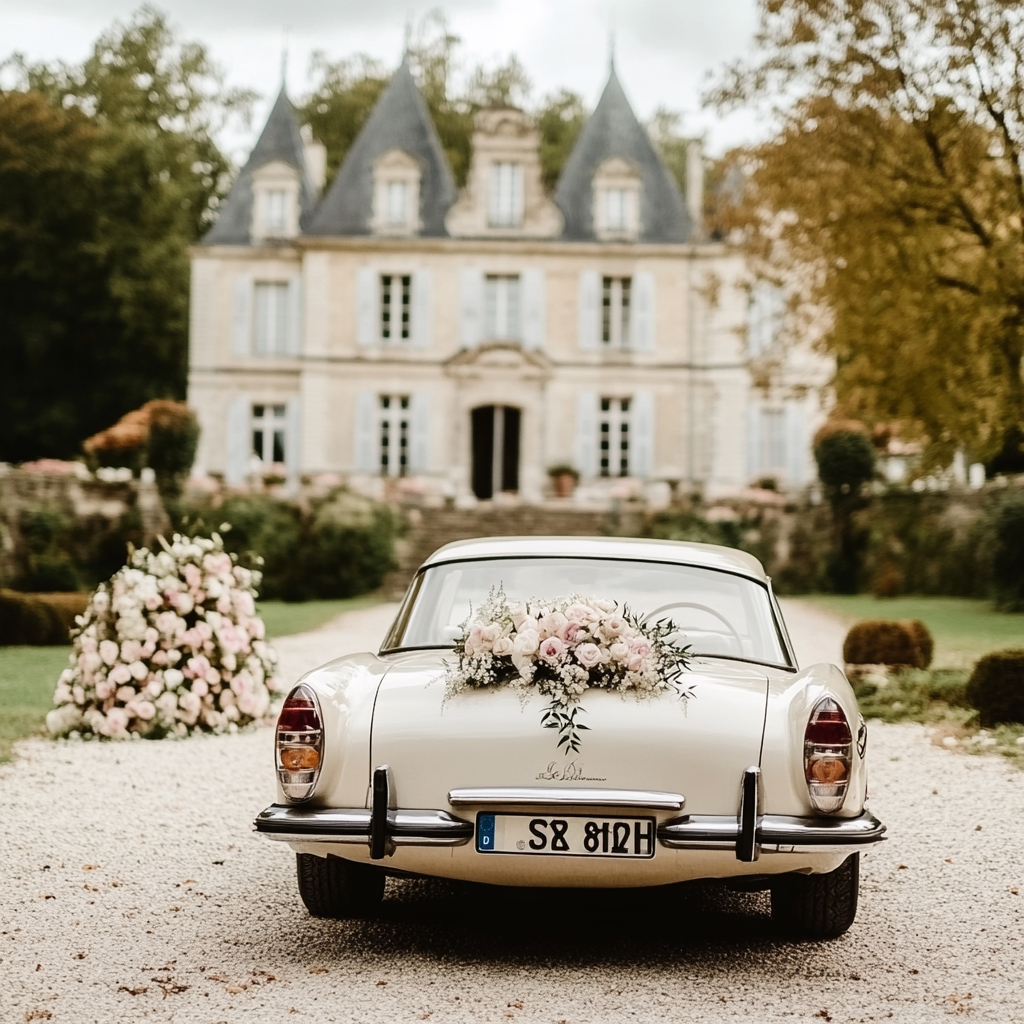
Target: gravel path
(134, 891)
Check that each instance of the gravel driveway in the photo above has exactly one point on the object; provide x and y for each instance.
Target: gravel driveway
(133, 890)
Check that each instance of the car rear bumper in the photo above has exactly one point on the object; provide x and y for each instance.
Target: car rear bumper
(774, 833)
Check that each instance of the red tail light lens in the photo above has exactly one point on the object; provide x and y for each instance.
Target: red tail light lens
(828, 748)
(299, 747)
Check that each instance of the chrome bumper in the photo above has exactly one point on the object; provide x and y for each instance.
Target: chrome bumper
(404, 828)
(774, 833)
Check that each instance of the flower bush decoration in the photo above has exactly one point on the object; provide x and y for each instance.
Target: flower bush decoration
(562, 648)
(171, 644)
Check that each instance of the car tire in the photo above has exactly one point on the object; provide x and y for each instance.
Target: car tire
(338, 889)
(817, 906)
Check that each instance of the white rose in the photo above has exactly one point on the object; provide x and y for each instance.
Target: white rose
(502, 647)
(173, 678)
(138, 670)
(526, 642)
(109, 651)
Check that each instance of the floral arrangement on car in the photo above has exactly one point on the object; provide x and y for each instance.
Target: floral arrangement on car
(562, 648)
(170, 645)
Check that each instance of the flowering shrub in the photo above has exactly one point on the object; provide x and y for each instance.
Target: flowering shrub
(171, 644)
(563, 648)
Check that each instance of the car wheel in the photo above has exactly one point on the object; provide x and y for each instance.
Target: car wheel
(336, 888)
(817, 906)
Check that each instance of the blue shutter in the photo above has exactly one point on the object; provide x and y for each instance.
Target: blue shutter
(367, 307)
(471, 302)
(241, 342)
(589, 311)
(419, 453)
(534, 307)
(422, 308)
(642, 431)
(586, 433)
(237, 447)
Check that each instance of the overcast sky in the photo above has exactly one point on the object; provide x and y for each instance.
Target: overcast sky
(664, 48)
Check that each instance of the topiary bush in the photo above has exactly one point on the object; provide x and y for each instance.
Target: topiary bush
(996, 687)
(923, 638)
(886, 642)
(38, 620)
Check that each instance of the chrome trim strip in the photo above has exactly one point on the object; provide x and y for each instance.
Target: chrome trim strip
(777, 833)
(538, 796)
(749, 818)
(322, 825)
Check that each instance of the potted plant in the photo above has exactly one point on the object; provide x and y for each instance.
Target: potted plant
(563, 479)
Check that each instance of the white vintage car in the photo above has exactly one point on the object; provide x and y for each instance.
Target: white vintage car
(758, 781)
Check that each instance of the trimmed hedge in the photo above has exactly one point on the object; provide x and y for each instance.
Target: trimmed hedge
(38, 620)
(996, 687)
(896, 643)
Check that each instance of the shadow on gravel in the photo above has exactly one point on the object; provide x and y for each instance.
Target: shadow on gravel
(442, 920)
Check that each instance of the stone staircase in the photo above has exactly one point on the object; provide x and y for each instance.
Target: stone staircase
(432, 528)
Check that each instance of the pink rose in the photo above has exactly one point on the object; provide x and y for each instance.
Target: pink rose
(120, 674)
(502, 646)
(145, 710)
(104, 689)
(638, 651)
(571, 632)
(588, 655)
(581, 614)
(109, 651)
(199, 687)
(159, 658)
(89, 644)
(197, 667)
(126, 693)
(613, 626)
(553, 624)
(552, 650)
(117, 721)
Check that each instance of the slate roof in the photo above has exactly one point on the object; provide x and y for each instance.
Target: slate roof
(614, 131)
(280, 140)
(400, 120)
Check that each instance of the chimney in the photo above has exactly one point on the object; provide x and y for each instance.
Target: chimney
(315, 154)
(695, 185)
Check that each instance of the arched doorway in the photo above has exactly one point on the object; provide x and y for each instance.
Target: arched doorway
(495, 441)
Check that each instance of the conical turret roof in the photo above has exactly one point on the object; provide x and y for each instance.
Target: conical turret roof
(280, 140)
(400, 120)
(614, 131)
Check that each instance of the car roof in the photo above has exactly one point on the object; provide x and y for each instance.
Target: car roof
(711, 556)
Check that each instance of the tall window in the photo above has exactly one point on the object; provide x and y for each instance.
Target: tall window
(396, 210)
(506, 206)
(395, 301)
(773, 440)
(502, 318)
(394, 435)
(618, 211)
(273, 211)
(613, 437)
(269, 427)
(270, 318)
(616, 300)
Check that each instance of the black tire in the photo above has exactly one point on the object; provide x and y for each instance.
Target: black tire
(339, 889)
(817, 906)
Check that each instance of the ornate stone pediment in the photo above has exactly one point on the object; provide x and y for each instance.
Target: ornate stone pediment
(501, 359)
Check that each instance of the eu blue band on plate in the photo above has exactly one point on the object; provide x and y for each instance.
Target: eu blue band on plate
(485, 833)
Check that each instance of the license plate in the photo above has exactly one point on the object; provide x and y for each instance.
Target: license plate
(565, 835)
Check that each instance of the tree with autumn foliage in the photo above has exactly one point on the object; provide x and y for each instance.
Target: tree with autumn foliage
(890, 205)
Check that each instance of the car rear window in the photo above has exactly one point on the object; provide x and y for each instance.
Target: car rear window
(718, 614)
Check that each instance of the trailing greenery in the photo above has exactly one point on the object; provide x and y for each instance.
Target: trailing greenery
(337, 546)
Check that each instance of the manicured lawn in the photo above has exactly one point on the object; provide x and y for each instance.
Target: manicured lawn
(284, 619)
(28, 675)
(964, 629)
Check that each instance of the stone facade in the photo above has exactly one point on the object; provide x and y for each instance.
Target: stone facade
(467, 343)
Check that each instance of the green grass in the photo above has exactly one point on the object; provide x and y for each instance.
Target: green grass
(285, 619)
(964, 629)
(28, 676)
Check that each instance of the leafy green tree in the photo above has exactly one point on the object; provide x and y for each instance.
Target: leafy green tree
(560, 120)
(891, 201)
(99, 322)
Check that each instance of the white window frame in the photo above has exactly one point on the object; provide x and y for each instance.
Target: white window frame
(503, 307)
(614, 436)
(268, 432)
(396, 207)
(271, 318)
(773, 454)
(616, 312)
(275, 211)
(505, 209)
(394, 435)
(395, 309)
(619, 209)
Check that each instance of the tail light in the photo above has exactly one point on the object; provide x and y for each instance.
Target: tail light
(828, 746)
(299, 748)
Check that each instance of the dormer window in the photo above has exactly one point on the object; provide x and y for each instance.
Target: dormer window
(506, 200)
(396, 194)
(274, 214)
(275, 207)
(617, 201)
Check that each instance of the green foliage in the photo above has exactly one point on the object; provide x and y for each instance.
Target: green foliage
(846, 461)
(560, 120)
(28, 676)
(915, 695)
(996, 687)
(171, 450)
(338, 546)
(1007, 525)
(109, 172)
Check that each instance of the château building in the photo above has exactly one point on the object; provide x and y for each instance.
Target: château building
(470, 340)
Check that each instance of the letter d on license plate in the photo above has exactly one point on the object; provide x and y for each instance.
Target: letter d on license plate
(567, 835)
